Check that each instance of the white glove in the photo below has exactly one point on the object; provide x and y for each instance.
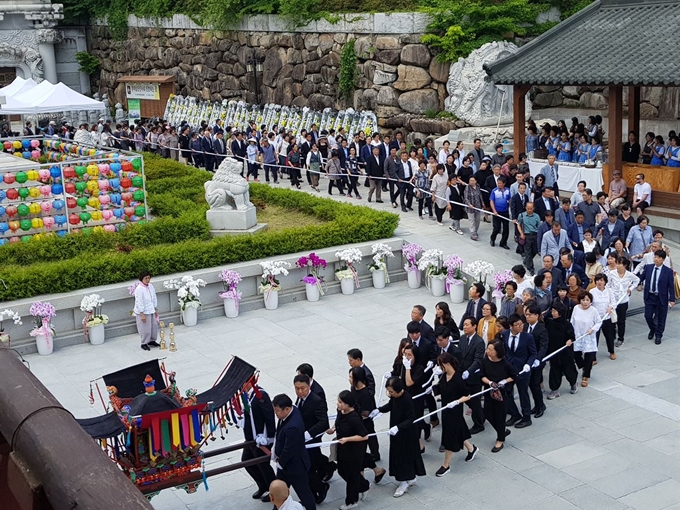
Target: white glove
(240, 422)
(308, 437)
(273, 456)
(429, 365)
(393, 431)
(278, 466)
(373, 414)
(261, 440)
(451, 405)
(429, 390)
(501, 383)
(387, 375)
(526, 368)
(536, 364)
(406, 362)
(437, 371)
(377, 416)
(465, 375)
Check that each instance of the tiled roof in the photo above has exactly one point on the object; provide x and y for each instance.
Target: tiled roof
(610, 42)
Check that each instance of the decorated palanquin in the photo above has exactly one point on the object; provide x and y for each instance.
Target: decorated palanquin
(154, 433)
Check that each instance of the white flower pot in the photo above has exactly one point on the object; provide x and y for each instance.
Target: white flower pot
(414, 279)
(271, 300)
(96, 334)
(347, 286)
(457, 293)
(438, 286)
(498, 301)
(312, 291)
(379, 279)
(230, 308)
(43, 347)
(190, 316)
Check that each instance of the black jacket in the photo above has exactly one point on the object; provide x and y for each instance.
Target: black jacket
(314, 413)
(290, 448)
(540, 208)
(374, 168)
(540, 334)
(472, 350)
(453, 350)
(468, 312)
(263, 417)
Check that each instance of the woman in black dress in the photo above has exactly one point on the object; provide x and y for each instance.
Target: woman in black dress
(455, 432)
(443, 318)
(405, 460)
(413, 376)
(496, 373)
(365, 404)
(352, 438)
(561, 333)
(454, 193)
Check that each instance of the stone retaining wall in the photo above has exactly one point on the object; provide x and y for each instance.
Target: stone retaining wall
(399, 78)
(119, 303)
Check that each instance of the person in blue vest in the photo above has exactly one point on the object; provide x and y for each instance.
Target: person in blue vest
(564, 148)
(500, 205)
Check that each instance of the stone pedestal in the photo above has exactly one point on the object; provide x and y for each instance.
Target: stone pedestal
(232, 219)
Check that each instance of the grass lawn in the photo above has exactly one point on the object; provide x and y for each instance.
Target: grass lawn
(279, 218)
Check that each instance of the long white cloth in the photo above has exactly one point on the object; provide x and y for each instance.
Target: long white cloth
(570, 174)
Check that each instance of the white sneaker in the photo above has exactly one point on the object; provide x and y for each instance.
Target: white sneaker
(349, 507)
(401, 490)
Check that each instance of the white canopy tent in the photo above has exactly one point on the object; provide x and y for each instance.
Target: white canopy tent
(18, 86)
(48, 98)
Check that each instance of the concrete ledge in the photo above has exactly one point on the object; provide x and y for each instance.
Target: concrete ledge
(119, 303)
(354, 23)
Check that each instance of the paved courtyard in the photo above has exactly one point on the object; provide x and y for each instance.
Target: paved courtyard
(613, 445)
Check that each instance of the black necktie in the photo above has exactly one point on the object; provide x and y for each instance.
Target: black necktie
(514, 343)
(654, 280)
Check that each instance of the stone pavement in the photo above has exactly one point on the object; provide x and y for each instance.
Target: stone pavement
(613, 445)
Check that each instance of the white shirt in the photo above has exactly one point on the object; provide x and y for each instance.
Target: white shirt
(621, 284)
(145, 300)
(643, 189)
(289, 504)
(407, 170)
(526, 284)
(443, 154)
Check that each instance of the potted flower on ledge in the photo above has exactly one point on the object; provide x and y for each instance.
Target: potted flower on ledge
(187, 297)
(455, 281)
(94, 321)
(410, 252)
(480, 270)
(43, 332)
(270, 285)
(432, 262)
(8, 314)
(381, 252)
(314, 283)
(231, 295)
(347, 274)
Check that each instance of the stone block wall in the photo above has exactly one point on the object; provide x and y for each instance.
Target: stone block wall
(398, 77)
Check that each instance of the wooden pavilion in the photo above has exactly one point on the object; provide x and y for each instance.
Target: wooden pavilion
(620, 42)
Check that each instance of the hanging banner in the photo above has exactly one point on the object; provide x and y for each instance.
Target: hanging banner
(142, 91)
(134, 109)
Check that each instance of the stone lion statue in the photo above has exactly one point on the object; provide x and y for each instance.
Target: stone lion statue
(228, 189)
(474, 99)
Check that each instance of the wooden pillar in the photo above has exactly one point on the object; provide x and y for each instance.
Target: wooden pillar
(615, 132)
(519, 93)
(634, 112)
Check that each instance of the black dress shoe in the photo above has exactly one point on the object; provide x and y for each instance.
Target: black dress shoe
(476, 429)
(650, 335)
(505, 246)
(265, 498)
(332, 466)
(322, 494)
(508, 432)
(540, 412)
(657, 341)
(492, 243)
(259, 493)
(511, 421)
(379, 477)
(409, 208)
(522, 424)
(153, 343)
(146, 347)
(497, 449)
(404, 209)
(379, 201)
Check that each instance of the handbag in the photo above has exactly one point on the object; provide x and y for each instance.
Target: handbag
(676, 279)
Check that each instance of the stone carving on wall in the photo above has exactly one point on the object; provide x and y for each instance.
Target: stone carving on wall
(471, 97)
(49, 36)
(21, 55)
(228, 189)
(18, 37)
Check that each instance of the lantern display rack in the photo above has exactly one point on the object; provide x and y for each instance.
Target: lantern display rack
(80, 190)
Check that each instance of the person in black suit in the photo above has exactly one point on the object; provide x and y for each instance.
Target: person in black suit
(545, 202)
(577, 229)
(308, 370)
(219, 148)
(475, 304)
(521, 353)
(472, 350)
(393, 172)
(239, 147)
(290, 454)
(549, 266)
(356, 359)
(418, 315)
(445, 345)
(374, 169)
(208, 151)
(427, 352)
(314, 413)
(659, 295)
(568, 267)
(259, 426)
(538, 331)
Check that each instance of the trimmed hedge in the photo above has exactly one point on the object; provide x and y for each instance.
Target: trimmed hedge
(179, 240)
